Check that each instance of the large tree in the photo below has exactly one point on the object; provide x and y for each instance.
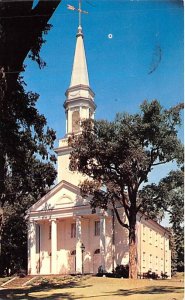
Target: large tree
(26, 167)
(22, 27)
(26, 158)
(118, 156)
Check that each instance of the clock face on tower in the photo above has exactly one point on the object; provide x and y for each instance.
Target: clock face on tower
(75, 121)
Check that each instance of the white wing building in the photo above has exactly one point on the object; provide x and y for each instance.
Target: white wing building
(62, 222)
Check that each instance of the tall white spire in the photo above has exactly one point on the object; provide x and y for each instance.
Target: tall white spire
(79, 103)
(79, 71)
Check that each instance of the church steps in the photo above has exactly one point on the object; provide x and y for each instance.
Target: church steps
(18, 282)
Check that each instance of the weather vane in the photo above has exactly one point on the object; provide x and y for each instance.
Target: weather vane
(79, 9)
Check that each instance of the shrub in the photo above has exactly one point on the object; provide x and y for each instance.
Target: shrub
(122, 271)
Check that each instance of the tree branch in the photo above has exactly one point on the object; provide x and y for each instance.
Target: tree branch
(118, 217)
(160, 163)
(125, 205)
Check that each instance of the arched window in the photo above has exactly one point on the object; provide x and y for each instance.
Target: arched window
(73, 252)
(97, 251)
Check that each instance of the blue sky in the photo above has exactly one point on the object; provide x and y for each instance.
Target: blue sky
(142, 60)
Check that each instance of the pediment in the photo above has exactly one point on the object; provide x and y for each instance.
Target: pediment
(63, 195)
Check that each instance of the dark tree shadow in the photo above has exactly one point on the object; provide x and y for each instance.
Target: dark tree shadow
(149, 290)
(25, 293)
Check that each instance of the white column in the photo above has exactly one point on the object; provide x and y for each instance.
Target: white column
(78, 246)
(169, 263)
(53, 246)
(66, 121)
(32, 248)
(102, 242)
(81, 117)
(69, 123)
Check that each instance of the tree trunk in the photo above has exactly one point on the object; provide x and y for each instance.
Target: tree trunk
(132, 247)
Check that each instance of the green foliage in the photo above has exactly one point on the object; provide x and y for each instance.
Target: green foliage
(167, 196)
(121, 271)
(179, 243)
(121, 154)
(25, 144)
(26, 160)
(28, 172)
(118, 156)
(35, 49)
(14, 242)
(26, 168)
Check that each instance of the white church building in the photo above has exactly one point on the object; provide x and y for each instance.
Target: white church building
(64, 235)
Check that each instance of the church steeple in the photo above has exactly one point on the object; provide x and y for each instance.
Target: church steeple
(79, 102)
(79, 105)
(79, 72)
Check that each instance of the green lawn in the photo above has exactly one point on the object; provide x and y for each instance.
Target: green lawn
(99, 289)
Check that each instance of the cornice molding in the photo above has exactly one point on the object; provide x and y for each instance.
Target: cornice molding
(79, 101)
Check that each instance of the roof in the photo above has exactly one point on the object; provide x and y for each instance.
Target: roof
(52, 192)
